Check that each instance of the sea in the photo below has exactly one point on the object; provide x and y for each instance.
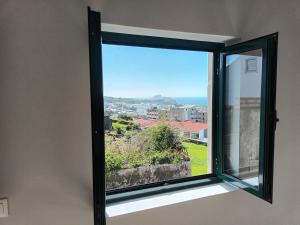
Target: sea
(201, 101)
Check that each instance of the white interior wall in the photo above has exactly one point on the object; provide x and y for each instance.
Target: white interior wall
(195, 16)
(45, 148)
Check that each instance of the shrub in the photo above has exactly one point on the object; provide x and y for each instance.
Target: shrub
(132, 127)
(166, 157)
(136, 127)
(121, 121)
(119, 131)
(113, 161)
(136, 162)
(134, 148)
(125, 117)
(163, 157)
(124, 122)
(162, 137)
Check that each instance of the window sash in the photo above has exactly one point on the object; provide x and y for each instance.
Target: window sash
(268, 117)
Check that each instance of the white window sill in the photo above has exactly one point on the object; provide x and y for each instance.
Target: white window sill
(159, 200)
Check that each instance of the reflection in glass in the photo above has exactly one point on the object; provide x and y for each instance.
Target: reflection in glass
(242, 115)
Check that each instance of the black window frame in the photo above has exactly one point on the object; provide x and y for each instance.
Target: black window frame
(174, 44)
(96, 38)
(268, 115)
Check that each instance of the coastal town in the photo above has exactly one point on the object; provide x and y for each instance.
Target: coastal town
(161, 136)
(189, 120)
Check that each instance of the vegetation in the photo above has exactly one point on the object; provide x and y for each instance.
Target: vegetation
(113, 162)
(120, 125)
(135, 148)
(125, 117)
(198, 156)
(122, 121)
(127, 146)
(163, 137)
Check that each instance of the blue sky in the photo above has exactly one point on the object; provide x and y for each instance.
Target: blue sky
(144, 72)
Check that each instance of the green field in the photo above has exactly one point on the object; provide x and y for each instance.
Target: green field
(116, 125)
(198, 156)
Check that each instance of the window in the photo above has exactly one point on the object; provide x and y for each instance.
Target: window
(247, 115)
(146, 138)
(150, 95)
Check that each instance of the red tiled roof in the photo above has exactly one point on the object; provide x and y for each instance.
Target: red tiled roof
(188, 125)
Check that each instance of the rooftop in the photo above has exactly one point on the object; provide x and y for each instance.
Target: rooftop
(188, 125)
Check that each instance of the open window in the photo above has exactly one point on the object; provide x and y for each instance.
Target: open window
(247, 115)
(240, 117)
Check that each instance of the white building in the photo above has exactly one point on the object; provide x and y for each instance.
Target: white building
(153, 113)
(188, 113)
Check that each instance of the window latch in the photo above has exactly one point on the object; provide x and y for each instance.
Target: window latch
(275, 119)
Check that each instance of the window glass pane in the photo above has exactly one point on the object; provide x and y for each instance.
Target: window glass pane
(242, 115)
(156, 121)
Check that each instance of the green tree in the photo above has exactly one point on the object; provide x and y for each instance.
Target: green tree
(162, 137)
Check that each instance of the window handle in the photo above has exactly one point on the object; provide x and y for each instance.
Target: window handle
(275, 119)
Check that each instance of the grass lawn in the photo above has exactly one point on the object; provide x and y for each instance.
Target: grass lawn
(116, 125)
(198, 156)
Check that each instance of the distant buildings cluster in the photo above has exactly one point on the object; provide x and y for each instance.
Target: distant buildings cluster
(180, 113)
(189, 120)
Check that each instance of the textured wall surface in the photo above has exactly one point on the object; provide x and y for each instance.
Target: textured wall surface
(147, 174)
(45, 147)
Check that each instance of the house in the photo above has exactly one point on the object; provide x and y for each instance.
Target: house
(191, 130)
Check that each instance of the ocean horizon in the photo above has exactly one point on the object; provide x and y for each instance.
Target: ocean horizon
(198, 101)
(191, 100)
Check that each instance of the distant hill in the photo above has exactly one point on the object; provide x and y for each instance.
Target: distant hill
(158, 99)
